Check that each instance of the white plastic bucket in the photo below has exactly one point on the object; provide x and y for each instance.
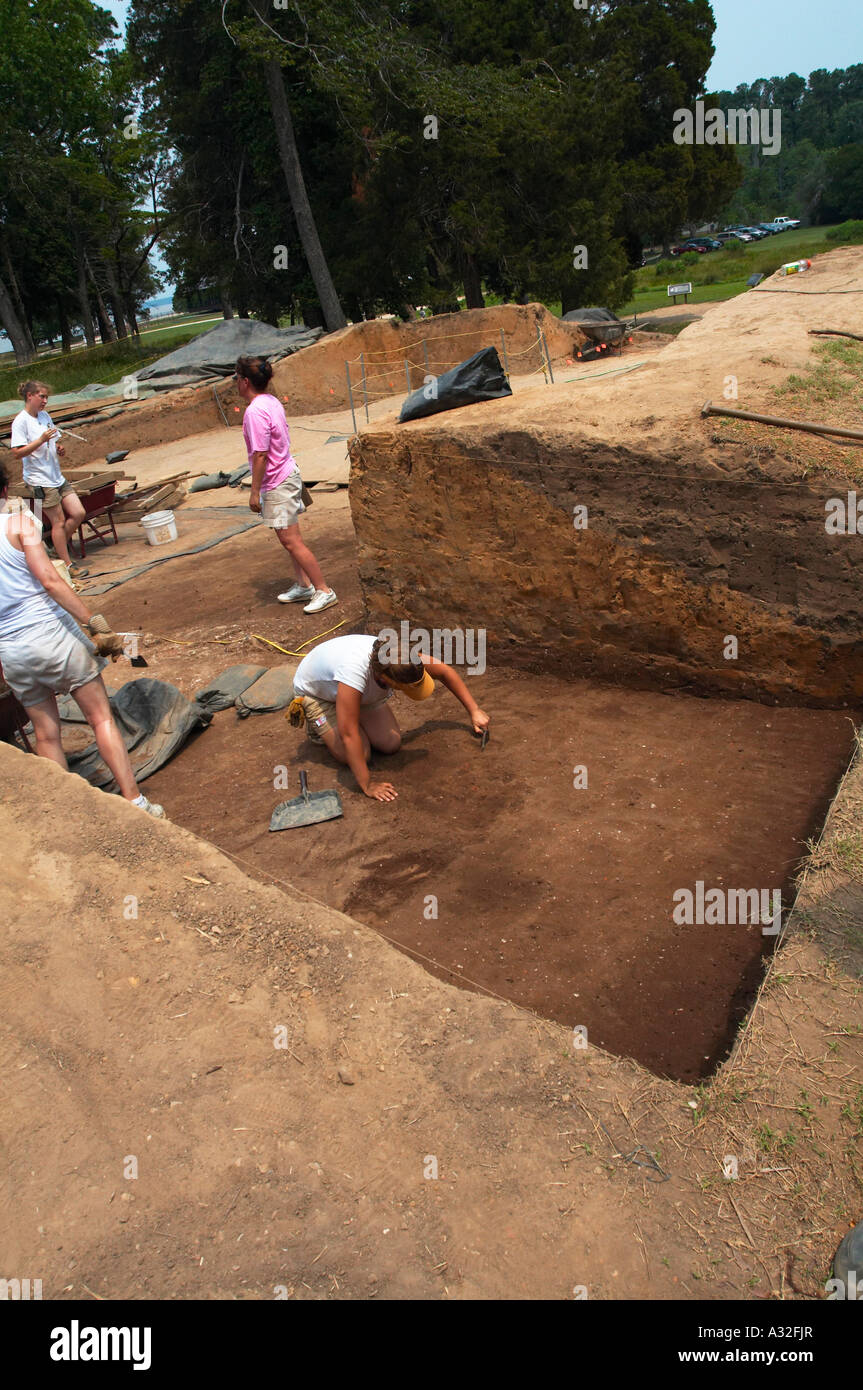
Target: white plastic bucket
(159, 527)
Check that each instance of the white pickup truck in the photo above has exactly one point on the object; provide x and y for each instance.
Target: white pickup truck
(784, 224)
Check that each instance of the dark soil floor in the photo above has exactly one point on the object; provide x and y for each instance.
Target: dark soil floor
(560, 899)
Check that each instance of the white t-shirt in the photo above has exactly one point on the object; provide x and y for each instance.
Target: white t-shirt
(341, 661)
(42, 467)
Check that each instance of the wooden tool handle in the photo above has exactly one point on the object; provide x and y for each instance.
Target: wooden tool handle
(304, 785)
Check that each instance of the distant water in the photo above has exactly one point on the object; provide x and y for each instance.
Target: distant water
(159, 307)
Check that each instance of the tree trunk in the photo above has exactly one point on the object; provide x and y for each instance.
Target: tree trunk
(18, 302)
(334, 317)
(18, 333)
(83, 296)
(472, 284)
(131, 316)
(65, 326)
(106, 332)
(115, 296)
(227, 311)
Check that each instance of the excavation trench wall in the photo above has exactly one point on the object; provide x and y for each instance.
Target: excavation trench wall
(476, 530)
(314, 379)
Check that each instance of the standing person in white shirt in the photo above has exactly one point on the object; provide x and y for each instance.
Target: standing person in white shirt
(33, 436)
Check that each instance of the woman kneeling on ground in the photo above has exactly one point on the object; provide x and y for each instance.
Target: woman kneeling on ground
(277, 488)
(343, 689)
(44, 653)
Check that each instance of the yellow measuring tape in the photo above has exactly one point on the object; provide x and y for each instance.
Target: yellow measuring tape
(302, 644)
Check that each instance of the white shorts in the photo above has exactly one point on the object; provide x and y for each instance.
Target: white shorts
(52, 659)
(281, 506)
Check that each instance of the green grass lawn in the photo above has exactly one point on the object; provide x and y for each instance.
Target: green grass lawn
(723, 274)
(107, 362)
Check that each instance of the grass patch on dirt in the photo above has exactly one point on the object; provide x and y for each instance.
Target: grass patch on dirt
(829, 391)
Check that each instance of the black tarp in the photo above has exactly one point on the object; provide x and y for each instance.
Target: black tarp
(155, 720)
(214, 353)
(480, 378)
(598, 324)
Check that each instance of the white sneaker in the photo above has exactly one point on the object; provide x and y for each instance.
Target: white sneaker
(154, 809)
(298, 593)
(322, 599)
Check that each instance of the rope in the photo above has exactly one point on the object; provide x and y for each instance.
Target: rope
(439, 337)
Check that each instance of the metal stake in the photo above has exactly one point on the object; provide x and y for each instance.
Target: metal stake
(365, 392)
(351, 395)
(547, 357)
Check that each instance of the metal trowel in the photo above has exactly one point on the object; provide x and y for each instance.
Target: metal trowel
(306, 809)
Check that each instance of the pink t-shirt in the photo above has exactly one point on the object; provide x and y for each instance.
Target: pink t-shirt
(265, 430)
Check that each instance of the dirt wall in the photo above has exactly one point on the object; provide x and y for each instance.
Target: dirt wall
(314, 380)
(475, 529)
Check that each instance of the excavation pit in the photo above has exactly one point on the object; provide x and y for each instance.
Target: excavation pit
(559, 898)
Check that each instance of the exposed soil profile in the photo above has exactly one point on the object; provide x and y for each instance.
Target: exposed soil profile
(557, 898)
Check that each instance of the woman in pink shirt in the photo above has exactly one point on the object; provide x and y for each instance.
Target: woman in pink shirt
(276, 483)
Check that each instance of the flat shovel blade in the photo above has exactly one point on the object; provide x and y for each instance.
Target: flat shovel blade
(302, 810)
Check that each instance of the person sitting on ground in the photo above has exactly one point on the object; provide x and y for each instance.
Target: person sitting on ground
(44, 653)
(342, 691)
(276, 483)
(33, 441)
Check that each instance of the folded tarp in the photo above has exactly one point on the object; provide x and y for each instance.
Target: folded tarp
(597, 324)
(214, 354)
(155, 720)
(222, 692)
(221, 479)
(273, 691)
(480, 378)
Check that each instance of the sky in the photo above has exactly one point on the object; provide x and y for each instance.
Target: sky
(770, 38)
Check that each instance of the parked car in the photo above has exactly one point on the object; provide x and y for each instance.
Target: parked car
(710, 242)
(756, 233)
(726, 237)
(769, 228)
(694, 246)
(786, 222)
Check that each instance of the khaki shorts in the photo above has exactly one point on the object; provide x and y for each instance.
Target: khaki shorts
(54, 658)
(321, 715)
(51, 496)
(281, 506)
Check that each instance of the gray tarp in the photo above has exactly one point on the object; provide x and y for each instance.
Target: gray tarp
(273, 691)
(155, 720)
(222, 692)
(213, 354)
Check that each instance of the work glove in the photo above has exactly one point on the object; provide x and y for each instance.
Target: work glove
(106, 642)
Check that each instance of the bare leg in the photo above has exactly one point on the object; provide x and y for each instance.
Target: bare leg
(74, 512)
(46, 727)
(382, 728)
(333, 741)
(59, 533)
(92, 700)
(301, 556)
